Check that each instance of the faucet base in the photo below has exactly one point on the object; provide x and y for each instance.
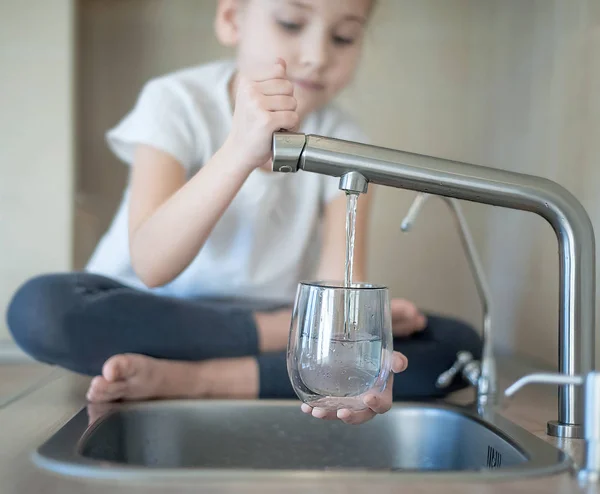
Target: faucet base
(568, 431)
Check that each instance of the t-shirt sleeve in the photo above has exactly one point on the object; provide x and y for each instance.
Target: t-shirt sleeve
(348, 131)
(160, 118)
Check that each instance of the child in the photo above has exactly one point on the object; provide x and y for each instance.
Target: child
(188, 294)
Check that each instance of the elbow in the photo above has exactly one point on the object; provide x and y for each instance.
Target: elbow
(145, 268)
(148, 276)
(151, 282)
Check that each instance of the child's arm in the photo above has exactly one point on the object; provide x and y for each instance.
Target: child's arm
(169, 218)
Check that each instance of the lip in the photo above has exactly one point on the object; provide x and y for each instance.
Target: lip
(310, 85)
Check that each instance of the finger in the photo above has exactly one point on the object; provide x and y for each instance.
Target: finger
(275, 71)
(276, 86)
(399, 362)
(279, 103)
(287, 120)
(321, 413)
(380, 403)
(355, 418)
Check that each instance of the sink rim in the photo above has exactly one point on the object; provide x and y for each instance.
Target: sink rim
(67, 460)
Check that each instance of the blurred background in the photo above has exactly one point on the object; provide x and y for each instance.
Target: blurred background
(511, 84)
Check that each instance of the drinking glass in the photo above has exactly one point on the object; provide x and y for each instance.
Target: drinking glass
(340, 343)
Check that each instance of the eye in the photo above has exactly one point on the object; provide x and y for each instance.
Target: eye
(340, 40)
(292, 27)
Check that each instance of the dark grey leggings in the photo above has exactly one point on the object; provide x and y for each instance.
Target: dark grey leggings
(79, 320)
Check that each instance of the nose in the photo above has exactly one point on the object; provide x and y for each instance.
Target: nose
(315, 51)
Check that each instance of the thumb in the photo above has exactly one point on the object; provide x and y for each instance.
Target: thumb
(399, 362)
(281, 62)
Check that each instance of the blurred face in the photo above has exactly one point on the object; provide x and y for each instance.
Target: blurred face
(320, 40)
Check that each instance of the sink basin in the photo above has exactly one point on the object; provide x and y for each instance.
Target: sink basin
(224, 439)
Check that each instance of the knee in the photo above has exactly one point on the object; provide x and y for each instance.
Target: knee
(36, 316)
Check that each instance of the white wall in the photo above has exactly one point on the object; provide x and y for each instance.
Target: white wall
(36, 142)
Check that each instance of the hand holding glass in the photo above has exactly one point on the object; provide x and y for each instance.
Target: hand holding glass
(340, 344)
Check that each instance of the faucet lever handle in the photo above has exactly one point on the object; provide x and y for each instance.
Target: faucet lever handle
(287, 148)
(445, 378)
(542, 378)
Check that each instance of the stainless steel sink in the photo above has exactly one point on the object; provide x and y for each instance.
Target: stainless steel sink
(257, 438)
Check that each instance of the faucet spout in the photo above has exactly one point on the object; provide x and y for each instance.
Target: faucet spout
(485, 185)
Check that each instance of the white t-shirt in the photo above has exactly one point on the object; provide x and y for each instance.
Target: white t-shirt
(268, 238)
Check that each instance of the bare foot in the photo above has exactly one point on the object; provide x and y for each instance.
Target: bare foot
(406, 318)
(138, 377)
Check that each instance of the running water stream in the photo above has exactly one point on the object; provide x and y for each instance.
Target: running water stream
(351, 205)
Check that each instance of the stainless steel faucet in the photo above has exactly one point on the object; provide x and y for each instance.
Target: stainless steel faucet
(566, 215)
(480, 374)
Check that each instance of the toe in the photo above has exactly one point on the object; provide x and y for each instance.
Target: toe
(102, 391)
(413, 317)
(114, 392)
(97, 386)
(118, 368)
(95, 389)
(403, 308)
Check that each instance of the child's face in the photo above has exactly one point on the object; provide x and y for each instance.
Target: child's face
(320, 40)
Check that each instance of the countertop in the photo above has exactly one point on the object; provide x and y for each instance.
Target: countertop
(50, 397)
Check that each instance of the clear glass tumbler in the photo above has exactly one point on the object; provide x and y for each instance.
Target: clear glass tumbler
(332, 364)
